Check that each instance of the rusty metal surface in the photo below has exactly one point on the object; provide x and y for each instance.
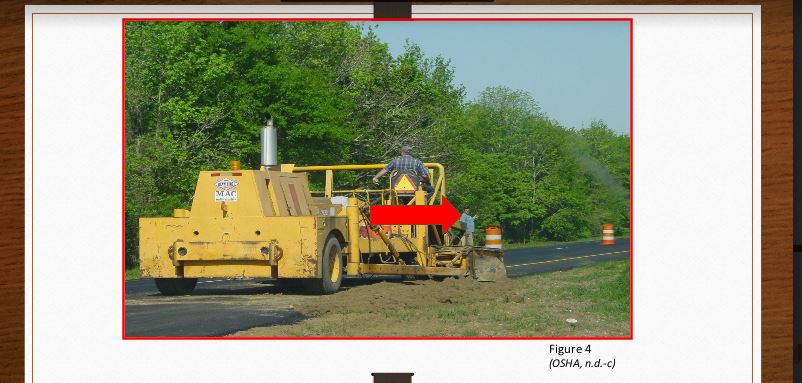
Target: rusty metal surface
(391, 269)
(487, 265)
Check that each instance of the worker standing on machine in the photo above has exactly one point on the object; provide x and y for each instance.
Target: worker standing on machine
(407, 164)
(468, 219)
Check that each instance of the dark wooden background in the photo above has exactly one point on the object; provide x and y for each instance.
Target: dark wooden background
(776, 167)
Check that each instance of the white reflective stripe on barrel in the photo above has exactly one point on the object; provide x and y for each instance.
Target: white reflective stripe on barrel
(608, 231)
(493, 246)
(493, 236)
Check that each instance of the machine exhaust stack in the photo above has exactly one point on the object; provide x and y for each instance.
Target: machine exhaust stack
(269, 145)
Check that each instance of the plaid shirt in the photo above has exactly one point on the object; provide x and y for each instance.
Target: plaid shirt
(407, 163)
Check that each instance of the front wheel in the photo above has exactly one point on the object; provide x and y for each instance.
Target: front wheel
(176, 286)
(332, 270)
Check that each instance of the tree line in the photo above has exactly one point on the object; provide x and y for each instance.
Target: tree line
(197, 94)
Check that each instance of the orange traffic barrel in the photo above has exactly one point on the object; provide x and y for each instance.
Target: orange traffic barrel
(493, 237)
(608, 234)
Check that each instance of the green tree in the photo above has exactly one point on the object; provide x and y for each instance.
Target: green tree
(197, 94)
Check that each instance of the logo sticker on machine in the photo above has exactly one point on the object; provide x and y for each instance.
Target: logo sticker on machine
(225, 189)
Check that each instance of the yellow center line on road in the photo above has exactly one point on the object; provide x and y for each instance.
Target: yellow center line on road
(566, 259)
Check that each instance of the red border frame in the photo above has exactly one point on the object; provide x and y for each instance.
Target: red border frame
(631, 302)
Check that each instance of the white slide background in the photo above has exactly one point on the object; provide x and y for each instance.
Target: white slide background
(696, 184)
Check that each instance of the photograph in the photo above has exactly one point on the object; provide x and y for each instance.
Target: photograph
(377, 179)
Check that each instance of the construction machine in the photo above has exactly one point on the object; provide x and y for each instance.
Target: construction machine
(267, 223)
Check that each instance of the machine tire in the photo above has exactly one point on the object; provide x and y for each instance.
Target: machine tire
(332, 270)
(176, 286)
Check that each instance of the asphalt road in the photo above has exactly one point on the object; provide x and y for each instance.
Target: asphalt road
(216, 307)
(220, 307)
(535, 260)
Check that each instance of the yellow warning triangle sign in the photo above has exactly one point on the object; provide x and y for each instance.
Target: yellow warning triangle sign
(404, 184)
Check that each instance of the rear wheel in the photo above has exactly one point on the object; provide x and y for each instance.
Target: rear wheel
(176, 286)
(332, 270)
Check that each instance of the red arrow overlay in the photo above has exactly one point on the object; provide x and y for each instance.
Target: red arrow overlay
(444, 214)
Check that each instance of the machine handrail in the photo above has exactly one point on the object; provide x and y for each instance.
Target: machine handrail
(439, 185)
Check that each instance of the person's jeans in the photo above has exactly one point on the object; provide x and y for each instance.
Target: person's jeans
(427, 188)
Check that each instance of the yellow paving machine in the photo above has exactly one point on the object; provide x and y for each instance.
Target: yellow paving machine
(267, 223)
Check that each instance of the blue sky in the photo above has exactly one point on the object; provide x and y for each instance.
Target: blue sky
(576, 71)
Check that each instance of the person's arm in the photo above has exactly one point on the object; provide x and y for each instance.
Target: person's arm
(390, 166)
(379, 175)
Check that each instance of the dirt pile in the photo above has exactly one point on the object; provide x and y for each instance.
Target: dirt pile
(597, 296)
(384, 296)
